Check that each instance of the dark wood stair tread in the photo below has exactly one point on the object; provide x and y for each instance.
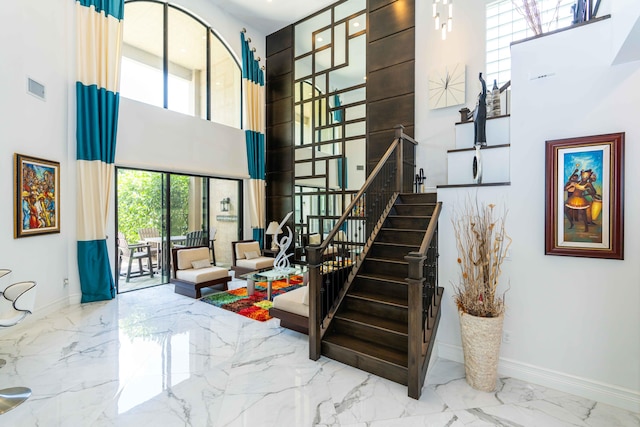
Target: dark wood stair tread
(404, 230)
(367, 349)
(374, 321)
(382, 278)
(380, 298)
(390, 260)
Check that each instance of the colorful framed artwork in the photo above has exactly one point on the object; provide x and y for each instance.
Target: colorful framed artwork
(584, 196)
(36, 196)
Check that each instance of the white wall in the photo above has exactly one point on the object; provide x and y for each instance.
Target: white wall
(38, 40)
(574, 322)
(434, 129)
(36, 43)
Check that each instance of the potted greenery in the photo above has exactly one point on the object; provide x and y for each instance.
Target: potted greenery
(482, 244)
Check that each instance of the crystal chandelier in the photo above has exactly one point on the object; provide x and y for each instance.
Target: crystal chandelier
(439, 18)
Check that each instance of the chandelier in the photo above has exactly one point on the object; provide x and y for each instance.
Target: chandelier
(439, 18)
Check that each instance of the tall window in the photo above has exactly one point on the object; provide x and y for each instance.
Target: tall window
(506, 25)
(175, 61)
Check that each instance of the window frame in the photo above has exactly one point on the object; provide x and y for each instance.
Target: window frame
(211, 32)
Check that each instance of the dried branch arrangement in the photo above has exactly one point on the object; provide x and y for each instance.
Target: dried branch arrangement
(482, 243)
(529, 9)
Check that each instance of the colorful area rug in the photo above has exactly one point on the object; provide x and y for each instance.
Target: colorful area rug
(256, 306)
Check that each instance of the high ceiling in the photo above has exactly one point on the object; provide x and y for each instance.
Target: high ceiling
(271, 15)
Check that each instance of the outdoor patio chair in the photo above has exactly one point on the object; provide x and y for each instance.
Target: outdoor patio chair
(137, 251)
(156, 244)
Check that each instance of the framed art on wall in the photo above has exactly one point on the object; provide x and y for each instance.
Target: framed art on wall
(584, 196)
(36, 196)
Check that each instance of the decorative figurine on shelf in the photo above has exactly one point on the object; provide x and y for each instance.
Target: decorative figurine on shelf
(480, 135)
(281, 263)
(495, 100)
(419, 182)
(480, 116)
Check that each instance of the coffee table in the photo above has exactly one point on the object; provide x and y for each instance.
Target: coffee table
(269, 276)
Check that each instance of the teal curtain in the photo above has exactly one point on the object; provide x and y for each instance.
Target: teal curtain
(98, 45)
(254, 105)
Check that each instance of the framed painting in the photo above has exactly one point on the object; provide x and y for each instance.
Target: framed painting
(584, 196)
(36, 196)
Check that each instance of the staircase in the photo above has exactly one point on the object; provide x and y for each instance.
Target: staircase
(370, 328)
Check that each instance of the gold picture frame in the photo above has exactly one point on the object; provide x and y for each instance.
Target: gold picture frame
(36, 196)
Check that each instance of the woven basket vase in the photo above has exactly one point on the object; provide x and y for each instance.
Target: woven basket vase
(481, 337)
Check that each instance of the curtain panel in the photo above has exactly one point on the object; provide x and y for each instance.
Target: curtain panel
(98, 46)
(254, 125)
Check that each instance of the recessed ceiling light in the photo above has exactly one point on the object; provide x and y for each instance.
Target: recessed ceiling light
(356, 24)
(183, 50)
(319, 39)
(217, 83)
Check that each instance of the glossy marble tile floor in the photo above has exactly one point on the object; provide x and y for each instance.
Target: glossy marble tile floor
(154, 358)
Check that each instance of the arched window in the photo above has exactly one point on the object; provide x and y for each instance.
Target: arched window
(173, 60)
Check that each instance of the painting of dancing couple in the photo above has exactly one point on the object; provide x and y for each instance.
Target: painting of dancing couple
(37, 196)
(584, 179)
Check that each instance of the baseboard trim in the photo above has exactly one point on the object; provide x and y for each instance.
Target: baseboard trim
(601, 392)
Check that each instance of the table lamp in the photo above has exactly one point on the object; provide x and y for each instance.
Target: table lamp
(273, 229)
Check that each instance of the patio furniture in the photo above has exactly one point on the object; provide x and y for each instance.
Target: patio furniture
(137, 251)
(156, 247)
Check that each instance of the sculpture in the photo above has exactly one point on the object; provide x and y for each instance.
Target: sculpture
(281, 263)
(480, 116)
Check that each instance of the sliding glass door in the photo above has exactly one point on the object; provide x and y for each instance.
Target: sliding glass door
(156, 211)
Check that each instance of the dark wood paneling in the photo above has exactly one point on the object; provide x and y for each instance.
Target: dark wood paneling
(280, 40)
(280, 136)
(280, 87)
(279, 63)
(377, 4)
(397, 16)
(279, 160)
(391, 81)
(280, 111)
(387, 113)
(380, 141)
(278, 208)
(280, 183)
(391, 50)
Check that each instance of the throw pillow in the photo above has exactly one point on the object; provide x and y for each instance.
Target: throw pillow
(251, 255)
(201, 263)
(314, 239)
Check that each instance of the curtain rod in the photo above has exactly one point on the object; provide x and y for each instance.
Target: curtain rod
(253, 49)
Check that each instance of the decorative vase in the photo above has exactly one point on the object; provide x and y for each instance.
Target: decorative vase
(477, 166)
(495, 100)
(481, 338)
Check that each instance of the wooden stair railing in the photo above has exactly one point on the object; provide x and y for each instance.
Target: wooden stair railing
(372, 203)
(374, 302)
(424, 302)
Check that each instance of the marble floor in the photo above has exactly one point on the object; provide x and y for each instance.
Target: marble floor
(154, 358)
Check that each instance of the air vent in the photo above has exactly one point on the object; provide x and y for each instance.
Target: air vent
(360, 167)
(36, 89)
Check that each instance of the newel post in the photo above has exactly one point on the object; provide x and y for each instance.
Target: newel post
(399, 158)
(415, 283)
(314, 258)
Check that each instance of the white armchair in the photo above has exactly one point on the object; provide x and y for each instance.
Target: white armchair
(17, 302)
(5, 275)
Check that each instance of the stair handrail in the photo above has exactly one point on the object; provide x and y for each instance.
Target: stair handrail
(421, 318)
(315, 252)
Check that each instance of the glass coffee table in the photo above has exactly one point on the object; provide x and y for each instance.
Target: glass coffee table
(269, 275)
